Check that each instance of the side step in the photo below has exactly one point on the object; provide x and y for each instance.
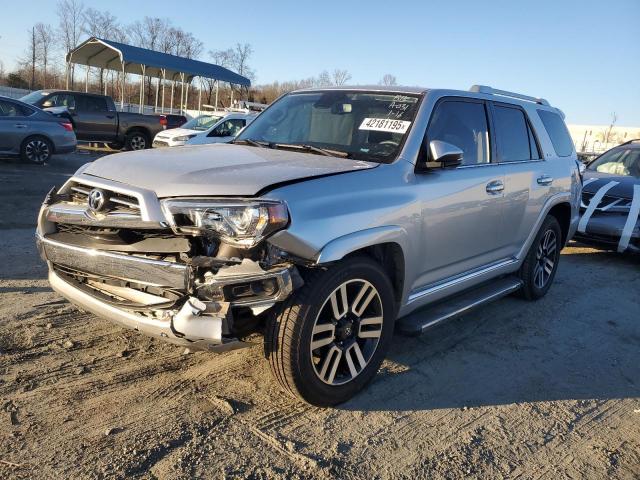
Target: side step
(417, 322)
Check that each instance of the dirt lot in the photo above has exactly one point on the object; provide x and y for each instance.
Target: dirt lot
(517, 390)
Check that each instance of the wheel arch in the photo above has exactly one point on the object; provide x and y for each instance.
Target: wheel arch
(387, 245)
(562, 212)
(38, 135)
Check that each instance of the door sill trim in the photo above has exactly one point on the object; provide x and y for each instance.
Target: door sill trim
(458, 279)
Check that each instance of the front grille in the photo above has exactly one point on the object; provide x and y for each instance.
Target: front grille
(115, 202)
(608, 203)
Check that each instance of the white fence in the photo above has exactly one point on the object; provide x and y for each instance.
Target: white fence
(13, 92)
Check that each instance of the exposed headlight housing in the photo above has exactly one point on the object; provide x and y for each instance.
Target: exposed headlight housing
(240, 223)
(184, 138)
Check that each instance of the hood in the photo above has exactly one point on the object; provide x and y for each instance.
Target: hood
(596, 180)
(216, 170)
(176, 132)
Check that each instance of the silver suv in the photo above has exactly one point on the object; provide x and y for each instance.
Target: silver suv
(336, 217)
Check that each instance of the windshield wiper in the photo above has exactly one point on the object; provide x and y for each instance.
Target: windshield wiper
(248, 141)
(311, 148)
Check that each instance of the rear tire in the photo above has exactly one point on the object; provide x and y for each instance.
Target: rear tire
(137, 140)
(541, 263)
(330, 337)
(37, 150)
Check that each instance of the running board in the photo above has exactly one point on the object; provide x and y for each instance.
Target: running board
(417, 322)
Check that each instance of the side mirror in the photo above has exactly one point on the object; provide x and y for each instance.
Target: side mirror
(446, 154)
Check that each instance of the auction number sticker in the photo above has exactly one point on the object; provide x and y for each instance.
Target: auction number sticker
(385, 125)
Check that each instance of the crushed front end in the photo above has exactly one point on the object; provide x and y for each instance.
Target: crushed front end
(194, 272)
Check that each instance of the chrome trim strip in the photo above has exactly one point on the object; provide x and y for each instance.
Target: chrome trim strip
(115, 265)
(429, 289)
(74, 214)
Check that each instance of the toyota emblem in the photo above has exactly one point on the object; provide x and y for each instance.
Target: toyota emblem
(96, 200)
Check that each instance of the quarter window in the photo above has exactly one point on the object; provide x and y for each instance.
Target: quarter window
(557, 130)
(464, 125)
(516, 141)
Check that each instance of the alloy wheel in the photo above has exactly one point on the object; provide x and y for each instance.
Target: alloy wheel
(346, 332)
(138, 142)
(545, 259)
(37, 151)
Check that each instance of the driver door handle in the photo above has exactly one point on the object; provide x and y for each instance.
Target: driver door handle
(20, 125)
(495, 187)
(545, 180)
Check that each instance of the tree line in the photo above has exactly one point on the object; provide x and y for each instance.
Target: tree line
(43, 63)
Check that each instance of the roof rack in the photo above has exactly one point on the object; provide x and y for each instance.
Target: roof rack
(493, 91)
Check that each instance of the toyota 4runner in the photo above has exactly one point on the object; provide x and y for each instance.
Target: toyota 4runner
(338, 216)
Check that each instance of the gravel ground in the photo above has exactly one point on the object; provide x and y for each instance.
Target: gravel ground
(549, 389)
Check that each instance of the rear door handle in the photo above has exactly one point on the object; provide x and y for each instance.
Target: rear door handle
(20, 125)
(495, 187)
(545, 180)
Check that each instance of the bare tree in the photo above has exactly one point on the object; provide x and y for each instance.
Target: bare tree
(323, 80)
(614, 119)
(341, 77)
(242, 53)
(70, 25)
(32, 52)
(388, 80)
(102, 25)
(44, 38)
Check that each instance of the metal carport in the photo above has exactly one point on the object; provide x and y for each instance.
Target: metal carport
(119, 57)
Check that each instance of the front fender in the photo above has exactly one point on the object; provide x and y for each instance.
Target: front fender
(342, 246)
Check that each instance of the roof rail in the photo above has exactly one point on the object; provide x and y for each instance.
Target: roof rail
(629, 142)
(493, 91)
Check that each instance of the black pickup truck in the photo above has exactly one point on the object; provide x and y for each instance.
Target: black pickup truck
(95, 118)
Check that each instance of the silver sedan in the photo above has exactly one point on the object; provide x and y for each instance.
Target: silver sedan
(31, 133)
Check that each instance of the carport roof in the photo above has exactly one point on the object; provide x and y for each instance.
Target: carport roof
(97, 52)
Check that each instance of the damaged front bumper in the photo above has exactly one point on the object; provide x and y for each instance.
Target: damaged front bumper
(201, 302)
(160, 298)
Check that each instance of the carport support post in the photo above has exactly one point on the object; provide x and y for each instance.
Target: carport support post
(67, 76)
(217, 82)
(181, 90)
(86, 80)
(173, 84)
(155, 109)
(140, 107)
(163, 85)
(123, 80)
(231, 102)
(186, 97)
(200, 96)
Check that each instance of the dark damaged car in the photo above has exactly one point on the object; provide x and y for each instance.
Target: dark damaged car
(611, 200)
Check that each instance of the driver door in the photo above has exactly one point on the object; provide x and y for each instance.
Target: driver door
(461, 207)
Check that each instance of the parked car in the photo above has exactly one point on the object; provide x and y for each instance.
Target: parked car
(31, 133)
(336, 216)
(216, 127)
(95, 118)
(611, 200)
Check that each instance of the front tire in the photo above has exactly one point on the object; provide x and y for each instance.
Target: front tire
(541, 264)
(332, 334)
(36, 150)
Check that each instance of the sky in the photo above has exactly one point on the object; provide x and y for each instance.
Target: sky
(583, 56)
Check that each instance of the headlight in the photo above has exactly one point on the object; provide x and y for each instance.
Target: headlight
(184, 138)
(241, 223)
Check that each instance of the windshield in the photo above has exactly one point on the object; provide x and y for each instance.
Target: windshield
(203, 122)
(623, 161)
(33, 97)
(362, 125)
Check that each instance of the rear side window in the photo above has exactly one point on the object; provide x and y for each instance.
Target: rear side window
(10, 109)
(464, 125)
(557, 130)
(91, 104)
(515, 138)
